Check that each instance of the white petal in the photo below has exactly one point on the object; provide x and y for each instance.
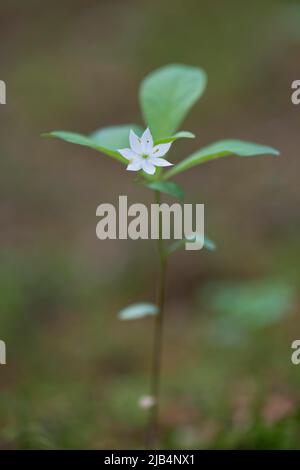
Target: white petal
(135, 142)
(159, 162)
(148, 167)
(160, 150)
(147, 142)
(128, 154)
(135, 165)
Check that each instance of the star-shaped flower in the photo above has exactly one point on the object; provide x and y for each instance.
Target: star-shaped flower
(143, 155)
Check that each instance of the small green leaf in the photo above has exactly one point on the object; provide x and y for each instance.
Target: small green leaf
(135, 311)
(86, 141)
(178, 135)
(167, 95)
(115, 137)
(222, 148)
(168, 187)
(251, 304)
(208, 244)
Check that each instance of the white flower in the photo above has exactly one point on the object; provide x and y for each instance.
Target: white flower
(143, 155)
(146, 402)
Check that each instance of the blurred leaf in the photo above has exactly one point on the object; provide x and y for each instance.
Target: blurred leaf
(222, 148)
(135, 311)
(168, 187)
(167, 94)
(251, 305)
(289, 16)
(115, 137)
(208, 244)
(178, 135)
(86, 141)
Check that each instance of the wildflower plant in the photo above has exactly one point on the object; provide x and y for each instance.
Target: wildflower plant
(166, 96)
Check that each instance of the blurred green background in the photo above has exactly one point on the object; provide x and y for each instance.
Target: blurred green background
(74, 372)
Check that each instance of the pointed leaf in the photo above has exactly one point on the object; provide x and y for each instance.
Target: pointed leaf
(178, 135)
(168, 187)
(115, 137)
(167, 94)
(140, 310)
(222, 148)
(86, 141)
(208, 244)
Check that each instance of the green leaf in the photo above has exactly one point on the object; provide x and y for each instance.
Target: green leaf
(167, 94)
(208, 244)
(115, 137)
(178, 135)
(253, 304)
(168, 187)
(86, 141)
(222, 148)
(135, 311)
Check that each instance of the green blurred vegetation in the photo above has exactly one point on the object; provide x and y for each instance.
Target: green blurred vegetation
(74, 372)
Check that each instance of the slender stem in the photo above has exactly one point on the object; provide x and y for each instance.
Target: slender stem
(152, 438)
